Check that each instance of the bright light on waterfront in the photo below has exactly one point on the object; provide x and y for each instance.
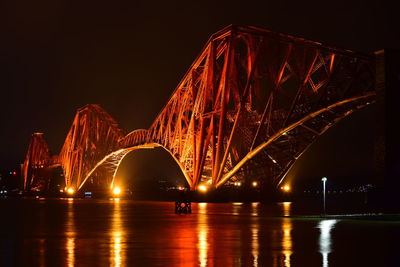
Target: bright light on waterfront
(202, 188)
(116, 191)
(70, 191)
(285, 188)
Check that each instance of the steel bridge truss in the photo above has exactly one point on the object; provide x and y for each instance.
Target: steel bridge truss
(251, 103)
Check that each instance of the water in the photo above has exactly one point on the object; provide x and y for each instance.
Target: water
(88, 232)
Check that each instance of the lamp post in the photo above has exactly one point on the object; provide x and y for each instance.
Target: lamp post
(323, 190)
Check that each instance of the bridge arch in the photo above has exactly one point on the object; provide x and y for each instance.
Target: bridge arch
(363, 101)
(137, 140)
(252, 99)
(113, 160)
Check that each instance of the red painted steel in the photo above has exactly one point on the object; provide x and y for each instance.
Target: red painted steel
(37, 157)
(250, 104)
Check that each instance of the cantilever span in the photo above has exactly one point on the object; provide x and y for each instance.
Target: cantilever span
(250, 104)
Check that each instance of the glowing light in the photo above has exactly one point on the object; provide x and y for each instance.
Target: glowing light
(254, 184)
(285, 188)
(237, 183)
(202, 188)
(70, 191)
(116, 191)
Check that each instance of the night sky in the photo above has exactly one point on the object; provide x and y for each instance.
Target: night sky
(128, 56)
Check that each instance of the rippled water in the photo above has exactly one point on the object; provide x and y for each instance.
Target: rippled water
(88, 232)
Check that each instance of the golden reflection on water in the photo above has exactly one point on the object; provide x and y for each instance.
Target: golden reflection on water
(287, 206)
(255, 244)
(284, 238)
(255, 228)
(71, 233)
(117, 245)
(236, 208)
(254, 208)
(202, 234)
(287, 243)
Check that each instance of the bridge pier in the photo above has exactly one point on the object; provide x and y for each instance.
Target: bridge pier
(183, 207)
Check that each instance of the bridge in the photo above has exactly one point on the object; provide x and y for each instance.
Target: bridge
(250, 104)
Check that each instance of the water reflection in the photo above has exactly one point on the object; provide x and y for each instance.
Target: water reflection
(71, 234)
(287, 206)
(42, 252)
(287, 243)
(236, 208)
(255, 229)
(255, 244)
(325, 240)
(254, 208)
(117, 249)
(102, 232)
(283, 237)
(202, 234)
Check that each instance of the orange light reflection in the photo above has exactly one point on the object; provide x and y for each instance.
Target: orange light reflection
(287, 206)
(287, 242)
(202, 234)
(70, 232)
(117, 245)
(255, 244)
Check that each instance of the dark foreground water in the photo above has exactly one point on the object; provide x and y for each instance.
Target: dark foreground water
(87, 232)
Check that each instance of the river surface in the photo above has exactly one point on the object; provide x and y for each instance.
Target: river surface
(112, 232)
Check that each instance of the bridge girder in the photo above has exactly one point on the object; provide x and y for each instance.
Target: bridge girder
(250, 104)
(37, 158)
(246, 87)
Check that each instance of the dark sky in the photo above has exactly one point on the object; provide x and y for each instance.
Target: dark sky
(128, 56)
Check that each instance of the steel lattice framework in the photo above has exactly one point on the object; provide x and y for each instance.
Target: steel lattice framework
(38, 157)
(251, 103)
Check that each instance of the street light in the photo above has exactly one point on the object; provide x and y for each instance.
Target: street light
(116, 191)
(324, 179)
(202, 188)
(285, 188)
(70, 191)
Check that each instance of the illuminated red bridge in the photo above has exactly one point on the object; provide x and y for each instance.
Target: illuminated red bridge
(250, 104)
